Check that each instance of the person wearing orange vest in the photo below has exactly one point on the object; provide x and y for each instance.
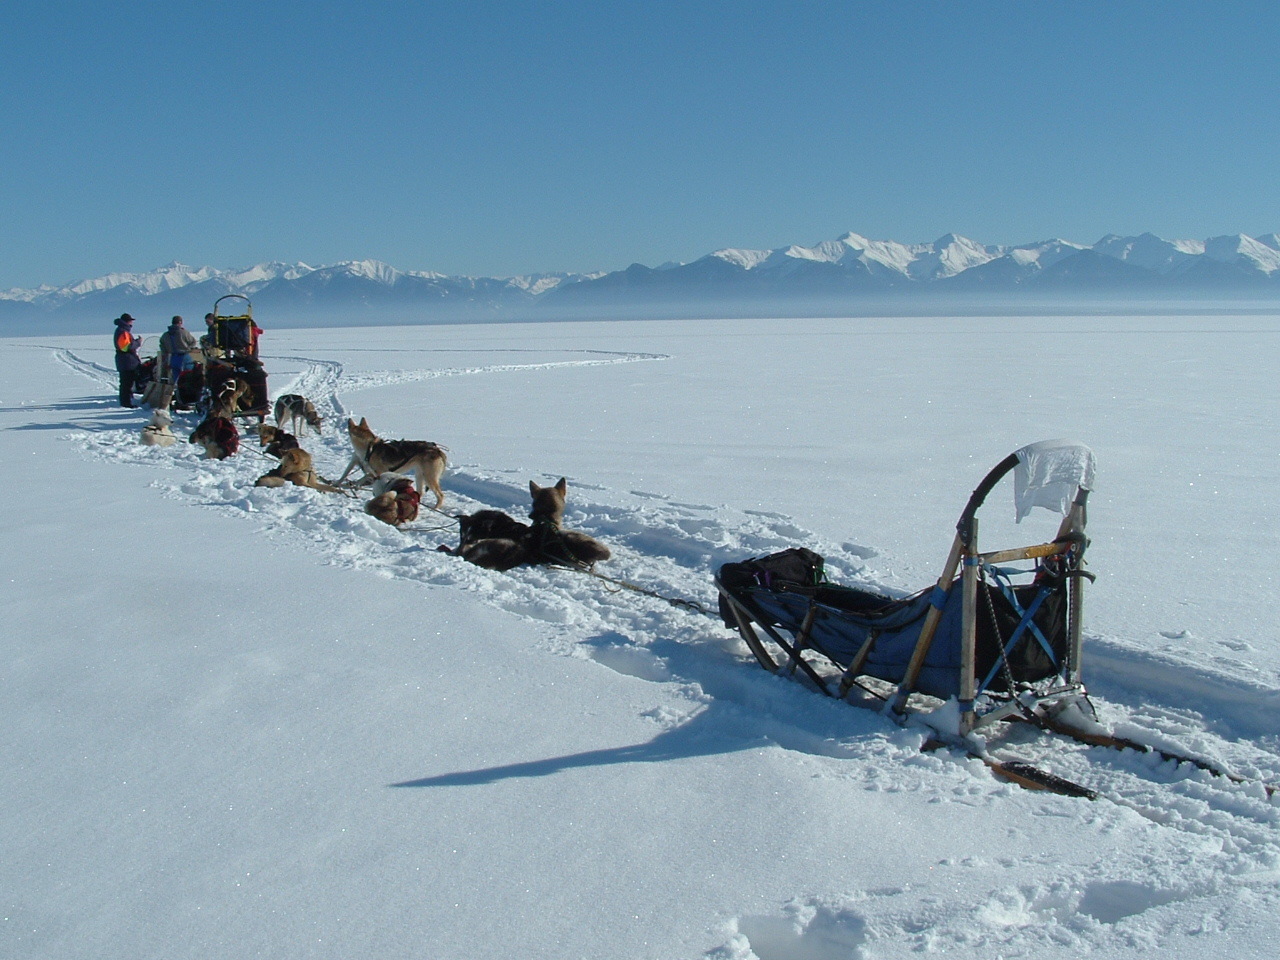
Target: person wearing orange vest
(127, 359)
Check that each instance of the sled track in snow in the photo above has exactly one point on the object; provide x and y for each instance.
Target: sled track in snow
(391, 378)
(318, 383)
(1229, 830)
(107, 376)
(323, 380)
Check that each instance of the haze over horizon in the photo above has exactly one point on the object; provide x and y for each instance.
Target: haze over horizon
(517, 138)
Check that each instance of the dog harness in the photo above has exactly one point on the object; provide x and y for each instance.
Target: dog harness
(407, 500)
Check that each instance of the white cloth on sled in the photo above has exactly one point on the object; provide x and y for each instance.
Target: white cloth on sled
(1048, 473)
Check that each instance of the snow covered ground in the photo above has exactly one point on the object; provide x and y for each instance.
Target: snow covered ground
(247, 722)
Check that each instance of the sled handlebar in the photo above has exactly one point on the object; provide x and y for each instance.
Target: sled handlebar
(964, 527)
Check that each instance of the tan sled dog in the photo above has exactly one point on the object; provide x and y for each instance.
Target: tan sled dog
(296, 468)
(227, 402)
(376, 456)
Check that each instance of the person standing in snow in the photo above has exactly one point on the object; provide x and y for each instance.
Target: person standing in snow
(177, 343)
(127, 360)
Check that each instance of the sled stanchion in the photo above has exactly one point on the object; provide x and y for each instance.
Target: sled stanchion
(802, 638)
(854, 669)
(1073, 527)
(744, 617)
(899, 700)
(968, 633)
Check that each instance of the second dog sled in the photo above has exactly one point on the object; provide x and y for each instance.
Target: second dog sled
(987, 642)
(996, 640)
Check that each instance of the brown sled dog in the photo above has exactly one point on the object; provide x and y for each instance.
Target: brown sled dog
(296, 468)
(494, 540)
(376, 456)
(395, 499)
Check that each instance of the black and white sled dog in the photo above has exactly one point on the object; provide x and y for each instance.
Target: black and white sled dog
(298, 410)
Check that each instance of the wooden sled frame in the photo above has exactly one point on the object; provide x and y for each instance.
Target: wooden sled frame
(1044, 698)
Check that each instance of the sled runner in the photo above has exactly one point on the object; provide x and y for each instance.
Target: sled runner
(999, 640)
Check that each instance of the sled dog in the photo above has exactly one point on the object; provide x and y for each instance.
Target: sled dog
(376, 456)
(298, 410)
(218, 436)
(158, 432)
(275, 441)
(227, 402)
(494, 540)
(395, 499)
(296, 468)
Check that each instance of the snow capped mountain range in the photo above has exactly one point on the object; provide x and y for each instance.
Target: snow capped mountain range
(827, 276)
(952, 255)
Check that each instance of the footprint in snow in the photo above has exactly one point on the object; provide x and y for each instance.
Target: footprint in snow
(804, 931)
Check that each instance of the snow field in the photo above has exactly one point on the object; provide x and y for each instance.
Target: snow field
(808, 829)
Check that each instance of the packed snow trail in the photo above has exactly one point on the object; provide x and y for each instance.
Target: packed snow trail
(1227, 832)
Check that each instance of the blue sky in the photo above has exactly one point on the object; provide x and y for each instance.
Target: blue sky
(501, 138)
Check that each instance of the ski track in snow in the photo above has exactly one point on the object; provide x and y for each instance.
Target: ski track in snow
(386, 379)
(1227, 832)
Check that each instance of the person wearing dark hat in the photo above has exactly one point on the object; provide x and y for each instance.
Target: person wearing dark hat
(177, 343)
(127, 360)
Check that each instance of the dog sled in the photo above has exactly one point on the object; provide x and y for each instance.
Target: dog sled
(232, 375)
(999, 633)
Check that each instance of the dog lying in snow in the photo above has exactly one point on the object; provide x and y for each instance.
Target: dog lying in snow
(491, 539)
(218, 436)
(158, 432)
(395, 499)
(275, 441)
(296, 468)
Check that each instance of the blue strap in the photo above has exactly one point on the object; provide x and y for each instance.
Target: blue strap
(1024, 624)
(1006, 587)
